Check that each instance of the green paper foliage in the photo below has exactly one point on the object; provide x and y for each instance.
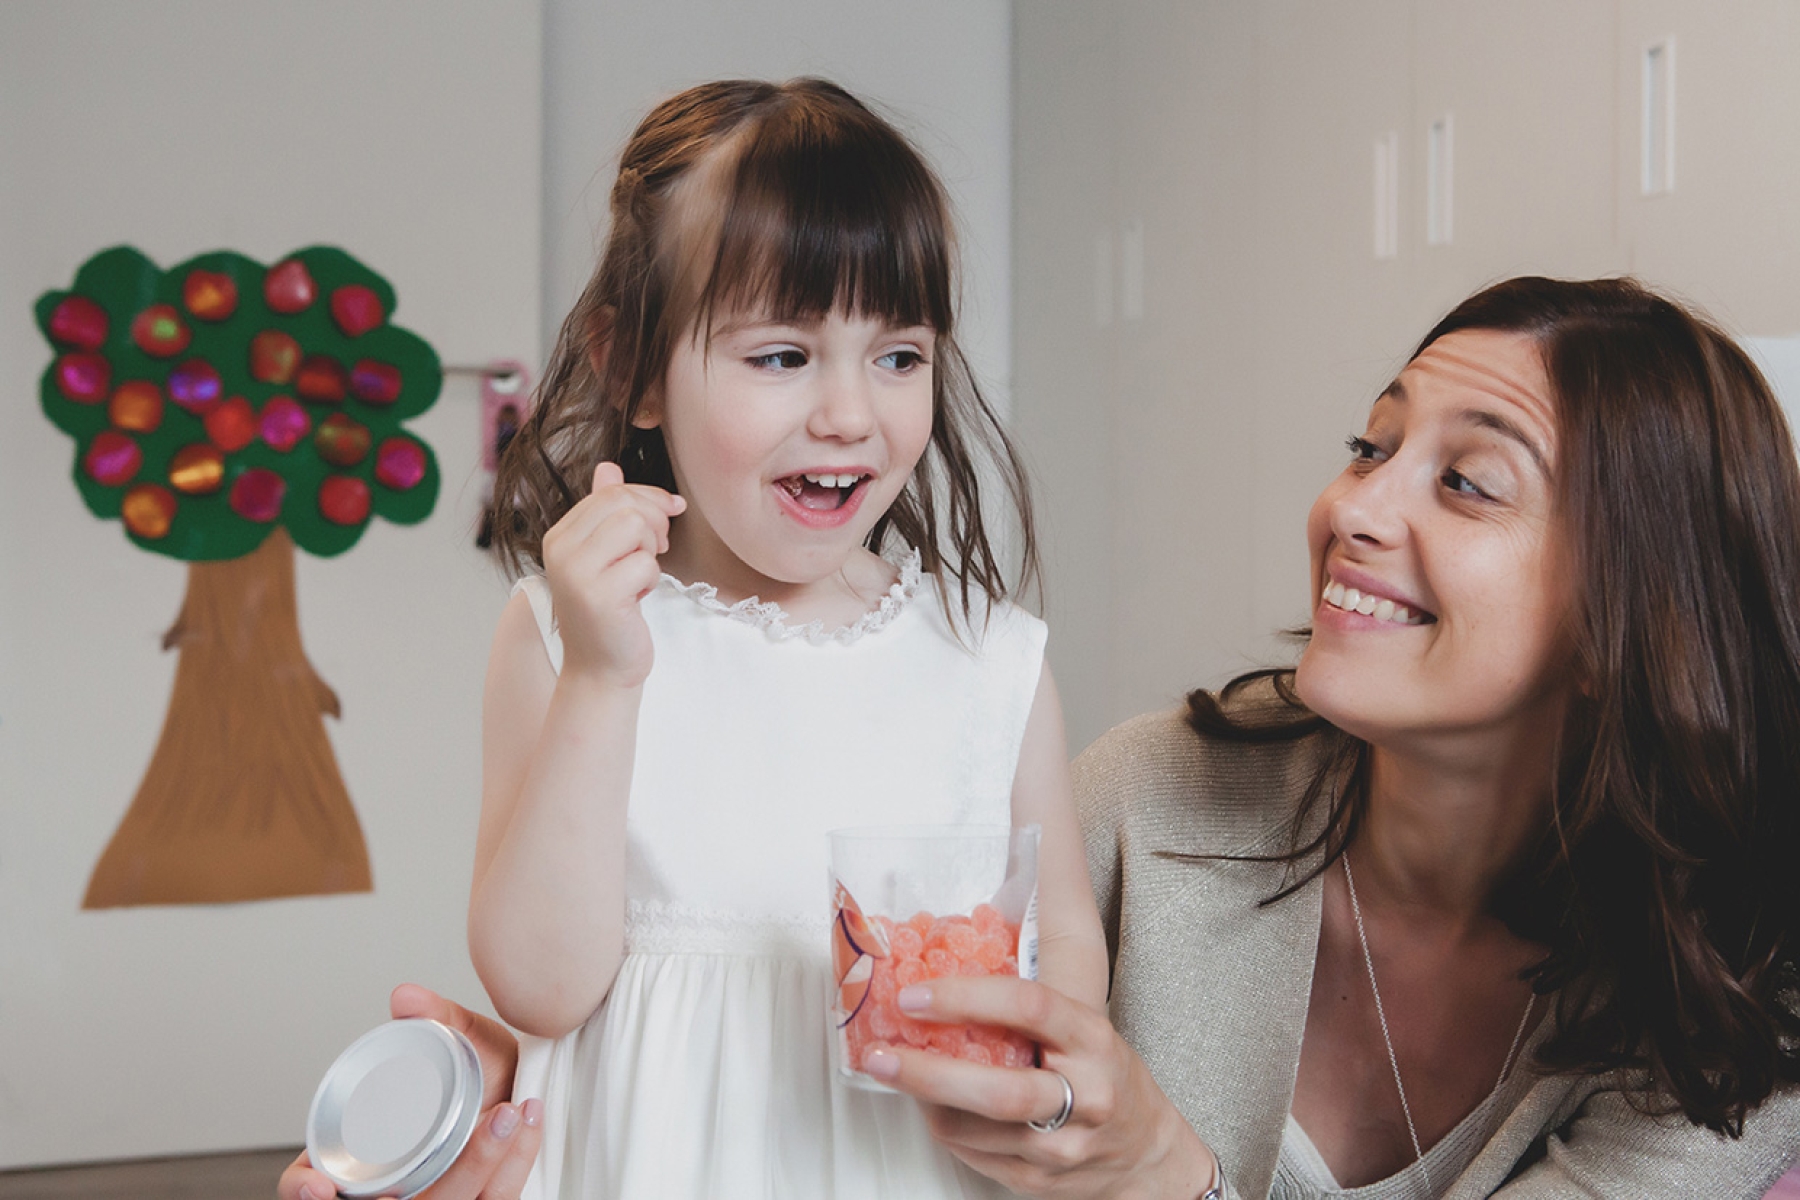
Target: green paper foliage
(205, 527)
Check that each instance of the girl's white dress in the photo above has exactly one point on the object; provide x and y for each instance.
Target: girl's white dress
(707, 1070)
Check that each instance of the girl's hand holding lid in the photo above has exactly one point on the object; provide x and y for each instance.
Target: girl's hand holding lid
(497, 1160)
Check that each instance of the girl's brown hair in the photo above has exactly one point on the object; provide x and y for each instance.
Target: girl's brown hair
(1664, 885)
(795, 199)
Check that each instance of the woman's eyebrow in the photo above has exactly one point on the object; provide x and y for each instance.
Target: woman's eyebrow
(1483, 418)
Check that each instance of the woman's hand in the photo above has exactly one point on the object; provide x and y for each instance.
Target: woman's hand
(600, 560)
(1124, 1138)
(494, 1164)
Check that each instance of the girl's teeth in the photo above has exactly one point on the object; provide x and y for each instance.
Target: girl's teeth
(832, 481)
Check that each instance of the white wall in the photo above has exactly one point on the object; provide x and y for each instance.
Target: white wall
(407, 132)
(458, 148)
(1187, 444)
(938, 68)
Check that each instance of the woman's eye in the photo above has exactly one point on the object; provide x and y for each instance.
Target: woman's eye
(1363, 450)
(900, 360)
(779, 360)
(1462, 485)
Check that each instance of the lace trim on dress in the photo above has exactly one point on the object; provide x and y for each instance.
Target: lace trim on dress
(670, 927)
(772, 620)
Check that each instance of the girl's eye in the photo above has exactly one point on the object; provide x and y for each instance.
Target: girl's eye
(779, 360)
(1363, 450)
(902, 361)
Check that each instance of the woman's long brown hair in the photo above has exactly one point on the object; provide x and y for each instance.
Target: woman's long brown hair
(797, 200)
(1667, 885)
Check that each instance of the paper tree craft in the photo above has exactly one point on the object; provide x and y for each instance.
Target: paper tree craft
(225, 412)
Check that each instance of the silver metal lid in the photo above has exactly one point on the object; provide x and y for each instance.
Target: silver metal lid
(395, 1109)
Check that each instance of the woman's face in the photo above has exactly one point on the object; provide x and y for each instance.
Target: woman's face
(1440, 591)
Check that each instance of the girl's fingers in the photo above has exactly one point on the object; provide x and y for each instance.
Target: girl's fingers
(581, 555)
(490, 1160)
(579, 526)
(607, 474)
(508, 1180)
(494, 1044)
(621, 534)
(301, 1182)
(610, 475)
(590, 512)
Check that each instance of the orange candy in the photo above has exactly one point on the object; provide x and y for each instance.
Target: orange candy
(883, 956)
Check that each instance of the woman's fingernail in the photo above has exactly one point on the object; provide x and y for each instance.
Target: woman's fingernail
(534, 1112)
(881, 1064)
(506, 1119)
(916, 998)
(307, 1193)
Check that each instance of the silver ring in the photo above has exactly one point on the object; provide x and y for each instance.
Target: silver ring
(1068, 1107)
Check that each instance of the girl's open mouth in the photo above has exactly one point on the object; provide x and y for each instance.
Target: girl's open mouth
(821, 493)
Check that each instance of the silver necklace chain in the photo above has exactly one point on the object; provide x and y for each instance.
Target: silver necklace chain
(1387, 1038)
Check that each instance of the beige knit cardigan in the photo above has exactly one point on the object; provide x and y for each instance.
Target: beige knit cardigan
(1212, 989)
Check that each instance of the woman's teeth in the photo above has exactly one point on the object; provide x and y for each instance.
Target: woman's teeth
(1351, 600)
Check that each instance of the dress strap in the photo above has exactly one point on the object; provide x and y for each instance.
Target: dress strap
(537, 591)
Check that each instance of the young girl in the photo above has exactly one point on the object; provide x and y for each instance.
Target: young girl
(775, 611)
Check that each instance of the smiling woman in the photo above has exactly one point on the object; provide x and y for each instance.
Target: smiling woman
(1491, 896)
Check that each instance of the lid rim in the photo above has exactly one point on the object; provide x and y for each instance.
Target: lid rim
(459, 1068)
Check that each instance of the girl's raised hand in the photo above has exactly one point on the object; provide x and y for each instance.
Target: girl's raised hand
(600, 560)
(1123, 1139)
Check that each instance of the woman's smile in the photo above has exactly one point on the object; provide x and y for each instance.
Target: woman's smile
(1362, 597)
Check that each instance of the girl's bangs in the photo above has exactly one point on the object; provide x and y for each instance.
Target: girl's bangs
(813, 220)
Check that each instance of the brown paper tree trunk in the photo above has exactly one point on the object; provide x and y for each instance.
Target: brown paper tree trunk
(243, 799)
